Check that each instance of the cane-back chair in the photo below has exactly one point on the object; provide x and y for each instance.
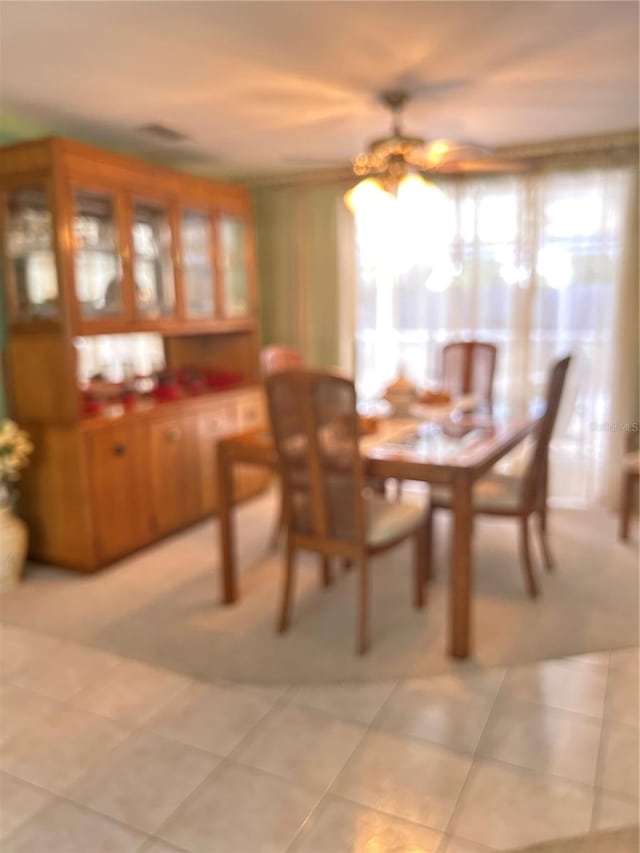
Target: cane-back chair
(273, 359)
(468, 367)
(518, 496)
(327, 508)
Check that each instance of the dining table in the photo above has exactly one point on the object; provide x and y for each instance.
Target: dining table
(450, 452)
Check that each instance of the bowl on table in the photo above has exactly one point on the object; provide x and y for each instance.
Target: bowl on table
(368, 424)
(432, 397)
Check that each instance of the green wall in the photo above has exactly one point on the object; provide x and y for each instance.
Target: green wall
(298, 266)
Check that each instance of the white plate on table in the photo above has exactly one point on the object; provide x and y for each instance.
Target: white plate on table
(375, 408)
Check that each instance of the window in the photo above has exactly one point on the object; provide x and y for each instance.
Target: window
(531, 264)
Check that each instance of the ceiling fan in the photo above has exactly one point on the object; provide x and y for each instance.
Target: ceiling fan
(391, 157)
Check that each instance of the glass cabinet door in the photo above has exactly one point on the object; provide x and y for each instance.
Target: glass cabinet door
(152, 260)
(233, 262)
(198, 277)
(32, 276)
(97, 264)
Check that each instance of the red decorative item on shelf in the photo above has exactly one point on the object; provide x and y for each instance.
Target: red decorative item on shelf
(165, 393)
(196, 386)
(223, 379)
(91, 406)
(129, 399)
(167, 388)
(192, 379)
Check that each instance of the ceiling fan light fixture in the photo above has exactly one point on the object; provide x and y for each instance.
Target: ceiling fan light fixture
(392, 164)
(391, 157)
(366, 194)
(416, 192)
(408, 188)
(439, 148)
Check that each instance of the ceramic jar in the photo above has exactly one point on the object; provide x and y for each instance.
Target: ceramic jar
(13, 547)
(401, 394)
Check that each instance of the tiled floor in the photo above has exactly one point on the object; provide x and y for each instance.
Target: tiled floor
(102, 753)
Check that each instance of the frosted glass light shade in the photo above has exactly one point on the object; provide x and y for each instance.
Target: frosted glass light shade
(366, 194)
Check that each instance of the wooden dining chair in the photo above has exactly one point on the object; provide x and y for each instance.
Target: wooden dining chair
(273, 359)
(468, 367)
(328, 511)
(517, 496)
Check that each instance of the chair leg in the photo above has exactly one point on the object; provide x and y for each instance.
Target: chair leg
(325, 566)
(274, 539)
(428, 573)
(625, 506)
(363, 639)
(525, 553)
(549, 562)
(543, 517)
(419, 567)
(287, 590)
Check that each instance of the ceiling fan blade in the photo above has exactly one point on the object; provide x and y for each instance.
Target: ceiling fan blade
(489, 165)
(445, 149)
(419, 89)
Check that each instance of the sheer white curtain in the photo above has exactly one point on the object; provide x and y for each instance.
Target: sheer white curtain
(531, 263)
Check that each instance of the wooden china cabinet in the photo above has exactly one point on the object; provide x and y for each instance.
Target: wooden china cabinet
(98, 244)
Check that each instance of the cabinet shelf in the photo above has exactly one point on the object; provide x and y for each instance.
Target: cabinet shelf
(25, 254)
(96, 250)
(148, 409)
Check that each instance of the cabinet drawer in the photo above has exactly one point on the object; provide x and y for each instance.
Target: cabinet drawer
(252, 411)
(220, 421)
(118, 473)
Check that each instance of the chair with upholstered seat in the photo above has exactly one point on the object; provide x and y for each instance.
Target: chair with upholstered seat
(518, 496)
(316, 432)
(273, 359)
(468, 367)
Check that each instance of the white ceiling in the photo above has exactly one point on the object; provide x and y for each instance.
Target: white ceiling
(262, 86)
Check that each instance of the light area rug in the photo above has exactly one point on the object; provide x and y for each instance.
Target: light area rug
(162, 605)
(623, 840)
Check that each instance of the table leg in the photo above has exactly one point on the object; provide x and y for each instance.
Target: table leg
(460, 570)
(225, 522)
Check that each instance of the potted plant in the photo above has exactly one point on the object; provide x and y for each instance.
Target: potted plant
(15, 449)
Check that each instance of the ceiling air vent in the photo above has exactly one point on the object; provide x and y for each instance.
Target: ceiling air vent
(162, 133)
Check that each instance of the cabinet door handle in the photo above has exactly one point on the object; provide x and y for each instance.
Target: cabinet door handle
(119, 449)
(173, 434)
